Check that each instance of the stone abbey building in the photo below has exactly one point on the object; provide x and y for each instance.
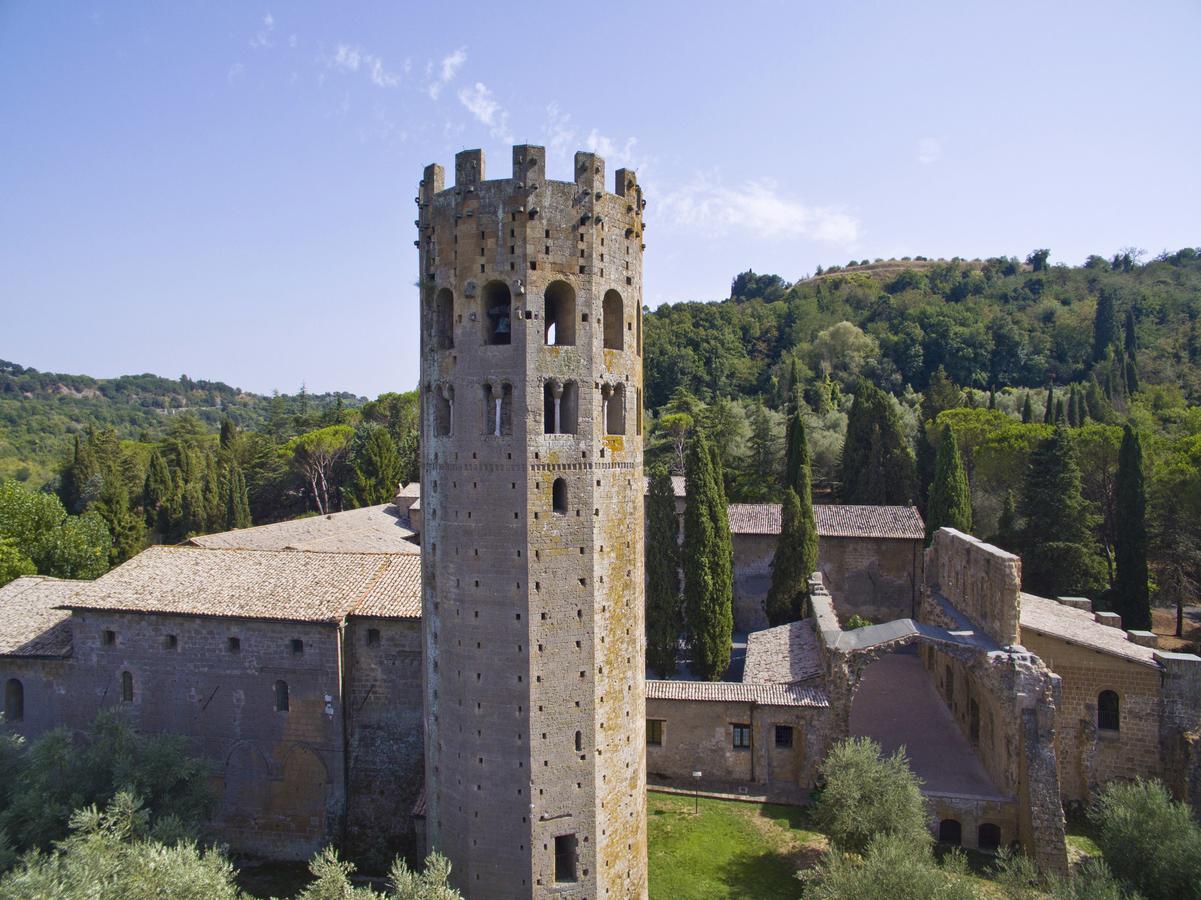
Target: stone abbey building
(463, 668)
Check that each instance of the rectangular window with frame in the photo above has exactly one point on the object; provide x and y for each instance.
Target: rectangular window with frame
(565, 858)
(784, 736)
(654, 732)
(742, 736)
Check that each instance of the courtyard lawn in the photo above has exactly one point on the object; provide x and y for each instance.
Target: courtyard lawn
(729, 849)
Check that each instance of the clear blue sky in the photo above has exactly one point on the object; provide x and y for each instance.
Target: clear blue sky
(226, 189)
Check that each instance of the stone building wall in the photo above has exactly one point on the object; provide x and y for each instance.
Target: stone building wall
(533, 595)
(1089, 756)
(384, 736)
(280, 774)
(698, 736)
(46, 688)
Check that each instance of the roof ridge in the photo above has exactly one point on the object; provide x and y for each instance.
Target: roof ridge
(366, 592)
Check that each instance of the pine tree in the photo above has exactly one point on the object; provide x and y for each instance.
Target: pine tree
(377, 468)
(1027, 410)
(708, 565)
(663, 613)
(950, 503)
(1104, 330)
(877, 467)
(1049, 409)
(796, 451)
(1130, 594)
(1058, 552)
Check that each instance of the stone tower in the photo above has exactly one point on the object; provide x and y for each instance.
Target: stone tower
(532, 494)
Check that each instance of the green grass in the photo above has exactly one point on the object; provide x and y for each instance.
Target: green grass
(729, 849)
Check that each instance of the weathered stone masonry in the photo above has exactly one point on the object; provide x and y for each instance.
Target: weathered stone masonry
(532, 489)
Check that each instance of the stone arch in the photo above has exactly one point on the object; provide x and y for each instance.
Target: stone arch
(443, 323)
(950, 832)
(559, 314)
(302, 791)
(613, 319)
(496, 308)
(244, 780)
(14, 700)
(988, 836)
(1109, 711)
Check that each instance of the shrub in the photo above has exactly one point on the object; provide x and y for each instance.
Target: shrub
(891, 869)
(866, 795)
(1149, 841)
(857, 621)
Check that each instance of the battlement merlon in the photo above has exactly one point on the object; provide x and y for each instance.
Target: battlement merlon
(529, 171)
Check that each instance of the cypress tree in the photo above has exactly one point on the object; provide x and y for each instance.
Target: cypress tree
(708, 565)
(1131, 599)
(877, 466)
(1027, 410)
(1007, 527)
(1130, 338)
(1071, 407)
(794, 561)
(1132, 382)
(229, 433)
(663, 613)
(950, 503)
(1049, 410)
(1104, 330)
(237, 500)
(992, 397)
(156, 490)
(1095, 404)
(1060, 413)
(1058, 553)
(796, 452)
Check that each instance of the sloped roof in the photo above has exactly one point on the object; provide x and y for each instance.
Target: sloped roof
(895, 522)
(31, 623)
(286, 585)
(1075, 626)
(785, 654)
(737, 692)
(677, 485)
(370, 529)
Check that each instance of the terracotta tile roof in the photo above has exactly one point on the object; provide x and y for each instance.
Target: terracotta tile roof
(397, 592)
(677, 485)
(31, 624)
(1075, 626)
(899, 522)
(287, 585)
(371, 529)
(737, 692)
(785, 654)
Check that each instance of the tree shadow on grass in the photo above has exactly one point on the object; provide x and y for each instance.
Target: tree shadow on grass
(764, 876)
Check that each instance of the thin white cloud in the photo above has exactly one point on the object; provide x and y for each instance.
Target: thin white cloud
(617, 155)
(293, 40)
(235, 72)
(482, 103)
(929, 150)
(560, 136)
(451, 63)
(348, 58)
(758, 207)
(262, 37)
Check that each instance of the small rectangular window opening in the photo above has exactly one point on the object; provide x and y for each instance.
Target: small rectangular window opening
(784, 736)
(235, 645)
(171, 642)
(654, 732)
(742, 737)
(297, 647)
(565, 858)
(108, 637)
(372, 636)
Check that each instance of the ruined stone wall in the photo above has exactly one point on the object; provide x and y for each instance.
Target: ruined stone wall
(533, 594)
(698, 736)
(1088, 756)
(877, 578)
(384, 736)
(981, 581)
(1180, 726)
(279, 773)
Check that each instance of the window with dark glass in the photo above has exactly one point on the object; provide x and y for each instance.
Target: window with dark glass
(742, 737)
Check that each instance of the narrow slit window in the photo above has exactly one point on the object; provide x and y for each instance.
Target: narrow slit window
(558, 493)
(281, 696)
(1109, 717)
(14, 700)
(443, 324)
(127, 687)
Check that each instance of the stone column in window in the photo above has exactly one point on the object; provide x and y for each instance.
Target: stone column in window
(556, 392)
